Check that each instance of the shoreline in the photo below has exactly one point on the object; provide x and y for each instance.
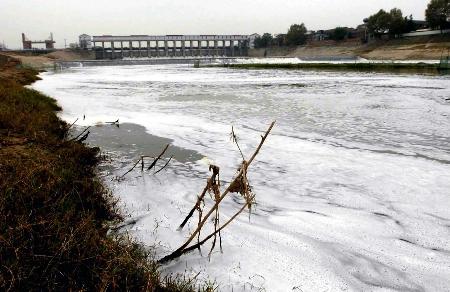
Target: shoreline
(327, 122)
(362, 67)
(55, 212)
(406, 49)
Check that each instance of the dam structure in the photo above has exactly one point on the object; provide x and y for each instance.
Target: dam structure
(171, 46)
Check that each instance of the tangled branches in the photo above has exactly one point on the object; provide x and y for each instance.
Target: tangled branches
(239, 184)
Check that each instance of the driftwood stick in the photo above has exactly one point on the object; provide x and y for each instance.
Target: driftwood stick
(178, 252)
(157, 158)
(199, 199)
(217, 231)
(215, 170)
(175, 255)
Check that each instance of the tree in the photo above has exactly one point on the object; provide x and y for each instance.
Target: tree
(437, 13)
(264, 41)
(339, 33)
(280, 40)
(383, 22)
(409, 24)
(378, 23)
(258, 42)
(397, 23)
(296, 35)
(267, 39)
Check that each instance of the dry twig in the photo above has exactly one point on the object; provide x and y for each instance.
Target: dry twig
(79, 135)
(157, 158)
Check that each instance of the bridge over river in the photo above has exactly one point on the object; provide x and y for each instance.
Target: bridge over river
(154, 46)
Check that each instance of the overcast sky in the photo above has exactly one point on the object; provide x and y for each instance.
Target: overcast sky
(68, 19)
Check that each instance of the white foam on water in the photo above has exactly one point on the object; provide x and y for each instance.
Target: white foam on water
(353, 185)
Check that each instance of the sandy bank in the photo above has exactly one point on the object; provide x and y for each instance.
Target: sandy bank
(47, 60)
(424, 48)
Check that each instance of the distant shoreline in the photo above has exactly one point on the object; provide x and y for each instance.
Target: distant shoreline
(371, 66)
(407, 49)
(415, 48)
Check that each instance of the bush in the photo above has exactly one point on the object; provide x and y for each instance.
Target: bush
(339, 33)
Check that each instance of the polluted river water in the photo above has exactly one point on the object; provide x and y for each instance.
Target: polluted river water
(352, 186)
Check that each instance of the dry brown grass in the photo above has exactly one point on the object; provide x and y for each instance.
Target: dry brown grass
(54, 212)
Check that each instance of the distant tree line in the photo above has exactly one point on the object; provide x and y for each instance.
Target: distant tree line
(391, 23)
(394, 24)
(295, 36)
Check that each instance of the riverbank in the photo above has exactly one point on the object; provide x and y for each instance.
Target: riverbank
(47, 61)
(331, 183)
(417, 48)
(55, 213)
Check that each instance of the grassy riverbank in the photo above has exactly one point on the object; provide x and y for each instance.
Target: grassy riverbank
(54, 211)
(378, 67)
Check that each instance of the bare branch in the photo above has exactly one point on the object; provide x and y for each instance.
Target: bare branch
(165, 165)
(71, 125)
(159, 157)
(215, 170)
(131, 169)
(76, 138)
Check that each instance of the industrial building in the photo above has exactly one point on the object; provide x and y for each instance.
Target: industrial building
(28, 44)
(154, 46)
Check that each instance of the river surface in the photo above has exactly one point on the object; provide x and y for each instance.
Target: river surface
(352, 186)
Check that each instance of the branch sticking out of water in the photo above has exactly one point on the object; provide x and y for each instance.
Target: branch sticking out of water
(238, 185)
(165, 165)
(71, 125)
(79, 135)
(157, 158)
(152, 165)
(234, 139)
(209, 182)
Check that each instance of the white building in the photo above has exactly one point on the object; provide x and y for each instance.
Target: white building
(85, 41)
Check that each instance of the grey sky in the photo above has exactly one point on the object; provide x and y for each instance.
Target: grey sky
(68, 19)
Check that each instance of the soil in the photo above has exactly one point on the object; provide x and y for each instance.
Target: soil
(47, 60)
(418, 48)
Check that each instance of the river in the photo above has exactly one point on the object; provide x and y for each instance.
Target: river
(352, 186)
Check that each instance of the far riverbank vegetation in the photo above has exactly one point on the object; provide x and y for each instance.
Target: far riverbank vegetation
(382, 24)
